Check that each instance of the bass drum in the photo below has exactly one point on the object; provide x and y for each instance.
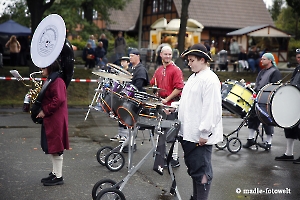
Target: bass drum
(278, 105)
(128, 111)
(236, 97)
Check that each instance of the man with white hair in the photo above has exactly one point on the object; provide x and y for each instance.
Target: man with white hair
(169, 78)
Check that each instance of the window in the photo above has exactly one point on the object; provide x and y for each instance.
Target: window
(161, 5)
(169, 5)
(154, 6)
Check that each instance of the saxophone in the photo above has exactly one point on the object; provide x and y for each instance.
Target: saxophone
(32, 93)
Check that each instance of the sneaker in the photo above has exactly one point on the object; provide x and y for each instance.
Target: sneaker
(249, 143)
(54, 181)
(265, 146)
(51, 175)
(297, 161)
(115, 138)
(126, 149)
(284, 158)
(174, 163)
(122, 139)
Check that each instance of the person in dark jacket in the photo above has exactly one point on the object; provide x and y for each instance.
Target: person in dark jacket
(88, 55)
(100, 55)
(292, 134)
(54, 131)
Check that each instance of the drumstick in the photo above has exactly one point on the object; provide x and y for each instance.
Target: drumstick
(155, 83)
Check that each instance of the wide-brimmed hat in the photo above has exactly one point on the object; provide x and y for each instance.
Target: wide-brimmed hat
(125, 58)
(197, 50)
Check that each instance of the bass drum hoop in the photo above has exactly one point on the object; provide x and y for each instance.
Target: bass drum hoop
(124, 109)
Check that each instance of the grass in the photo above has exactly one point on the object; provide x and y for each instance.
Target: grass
(81, 94)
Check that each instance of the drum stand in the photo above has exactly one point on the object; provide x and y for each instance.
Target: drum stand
(96, 97)
(234, 144)
(154, 126)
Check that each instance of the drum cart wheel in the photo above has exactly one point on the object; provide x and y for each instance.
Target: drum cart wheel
(101, 154)
(222, 145)
(110, 193)
(101, 185)
(234, 145)
(114, 161)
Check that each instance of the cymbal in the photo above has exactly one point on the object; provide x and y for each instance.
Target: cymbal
(147, 95)
(113, 76)
(153, 88)
(120, 69)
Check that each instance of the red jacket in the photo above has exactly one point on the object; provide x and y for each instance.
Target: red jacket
(54, 105)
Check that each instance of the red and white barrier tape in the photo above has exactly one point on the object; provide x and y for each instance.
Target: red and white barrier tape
(43, 79)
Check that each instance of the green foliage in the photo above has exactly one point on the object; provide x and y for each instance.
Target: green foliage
(80, 44)
(275, 9)
(286, 21)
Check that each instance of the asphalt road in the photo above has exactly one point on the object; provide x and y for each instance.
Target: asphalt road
(23, 164)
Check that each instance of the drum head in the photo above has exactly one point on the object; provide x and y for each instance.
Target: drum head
(285, 106)
(48, 40)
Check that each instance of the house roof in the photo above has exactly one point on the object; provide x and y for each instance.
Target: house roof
(232, 14)
(260, 31)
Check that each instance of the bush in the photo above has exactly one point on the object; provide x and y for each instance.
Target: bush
(79, 44)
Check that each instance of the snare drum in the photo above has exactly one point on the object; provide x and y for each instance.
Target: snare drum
(128, 111)
(237, 98)
(149, 111)
(278, 105)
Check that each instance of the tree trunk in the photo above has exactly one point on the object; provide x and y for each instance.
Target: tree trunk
(183, 22)
(36, 9)
(88, 11)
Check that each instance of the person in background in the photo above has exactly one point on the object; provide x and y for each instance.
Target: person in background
(120, 46)
(54, 132)
(104, 40)
(99, 56)
(169, 78)
(270, 74)
(292, 134)
(14, 49)
(243, 63)
(91, 40)
(88, 55)
(234, 51)
(200, 114)
(253, 59)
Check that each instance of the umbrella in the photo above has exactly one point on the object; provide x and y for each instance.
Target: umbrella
(11, 27)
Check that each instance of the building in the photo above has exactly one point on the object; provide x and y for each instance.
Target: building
(218, 17)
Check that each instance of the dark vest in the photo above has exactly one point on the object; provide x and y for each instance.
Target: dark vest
(263, 79)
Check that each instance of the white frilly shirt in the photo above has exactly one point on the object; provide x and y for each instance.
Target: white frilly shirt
(200, 108)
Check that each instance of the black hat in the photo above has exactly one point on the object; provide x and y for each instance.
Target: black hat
(125, 58)
(297, 51)
(197, 50)
(135, 51)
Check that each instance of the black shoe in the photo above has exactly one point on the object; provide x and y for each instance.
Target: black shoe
(297, 161)
(175, 163)
(51, 175)
(249, 143)
(54, 181)
(284, 158)
(126, 149)
(265, 146)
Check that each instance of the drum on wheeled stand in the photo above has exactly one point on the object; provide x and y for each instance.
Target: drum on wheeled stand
(237, 97)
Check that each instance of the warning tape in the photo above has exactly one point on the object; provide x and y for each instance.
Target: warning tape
(77, 80)
(43, 79)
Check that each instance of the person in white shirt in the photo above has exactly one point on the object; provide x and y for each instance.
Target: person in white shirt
(200, 113)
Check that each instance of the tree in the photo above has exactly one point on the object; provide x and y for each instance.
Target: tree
(295, 5)
(37, 9)
(287, 21)
(17, 11)
(183, 22)
(275, 9)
